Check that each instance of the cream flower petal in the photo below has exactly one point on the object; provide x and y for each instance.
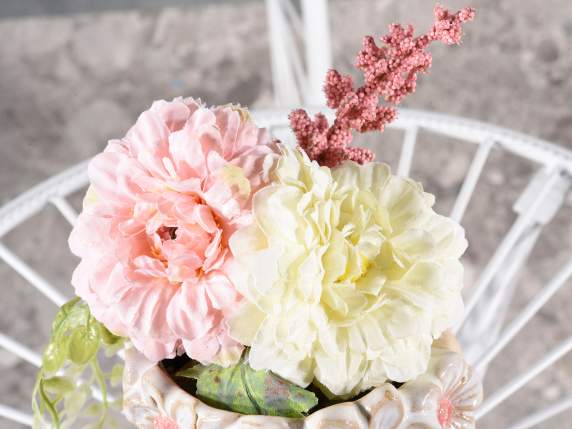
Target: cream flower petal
(350, 274)
(245, 323)
(275, 211)
(409, 358)
(290, 364)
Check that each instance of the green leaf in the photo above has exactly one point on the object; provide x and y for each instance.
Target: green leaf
(72, 354)
(46, 404)
(59, 386)
(94, 409)
(100, 378)
(64, 313)
(108, 338)
(72, 314)
(54, 357)
(76, 401)
(241, 389)
(116, 375)
(84, 344)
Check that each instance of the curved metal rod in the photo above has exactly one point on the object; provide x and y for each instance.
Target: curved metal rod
(509, 388)
(540, 151)
(544, 414)
(35, 279)
(407, 151)
(32, 201)
(471, 180)
(525, 315)
(65, 208)
(16, 415)
(534, 149)
(507, 244)
(20, 350)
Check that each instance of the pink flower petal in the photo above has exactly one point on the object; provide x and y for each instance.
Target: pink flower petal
(221, 292)
(153, 240)
(204, 217)
(102, 172)
(143, 308)
(189, 315)
(149, 136)
(174, 114)
(148, 266)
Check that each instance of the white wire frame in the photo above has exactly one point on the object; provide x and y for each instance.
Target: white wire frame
(511, 238)
(489, 316)
(544, 414)
(16, 416)
(294, 83)
(519, 381)
(300, 52)
(552, 159)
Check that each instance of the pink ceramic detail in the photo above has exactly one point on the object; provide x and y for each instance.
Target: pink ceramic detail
(162, 422)
(445, 412)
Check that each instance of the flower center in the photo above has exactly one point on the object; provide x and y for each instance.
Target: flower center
(167, 232)
(445, 412)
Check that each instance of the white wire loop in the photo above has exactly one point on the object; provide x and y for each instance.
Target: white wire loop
(544, 414)
(300, 56)
(509, 388)
(490, 291)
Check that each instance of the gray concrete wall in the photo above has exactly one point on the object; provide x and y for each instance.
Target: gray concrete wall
(73, 75)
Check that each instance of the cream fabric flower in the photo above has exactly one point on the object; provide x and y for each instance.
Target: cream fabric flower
(348, 275)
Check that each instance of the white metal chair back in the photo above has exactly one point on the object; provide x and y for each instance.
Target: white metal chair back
(300, 56)
(297, 78)
(300, 50)
(492, 292)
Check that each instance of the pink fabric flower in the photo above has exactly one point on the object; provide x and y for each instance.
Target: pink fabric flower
(153, 235)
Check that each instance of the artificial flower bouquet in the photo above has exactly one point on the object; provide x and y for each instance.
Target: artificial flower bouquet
(246, 282)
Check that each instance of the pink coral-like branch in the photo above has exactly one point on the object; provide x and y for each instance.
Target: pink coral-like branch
(390, 72)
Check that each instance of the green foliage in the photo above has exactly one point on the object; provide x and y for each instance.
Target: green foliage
(70, 372)
(241, 389)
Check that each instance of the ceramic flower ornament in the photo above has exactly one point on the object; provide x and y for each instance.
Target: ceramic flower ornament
(249, 282)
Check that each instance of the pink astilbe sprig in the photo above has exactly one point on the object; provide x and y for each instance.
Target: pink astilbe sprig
(389, 71)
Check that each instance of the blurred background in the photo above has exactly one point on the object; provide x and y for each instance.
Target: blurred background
(75, 73)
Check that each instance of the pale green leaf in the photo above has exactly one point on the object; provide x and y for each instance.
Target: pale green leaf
(72, 353)
(84, 344)
(108, 338)
(241, 389)
(116, 375)
(54, 356)
(58, 385)
(73, 403)
(94, 409)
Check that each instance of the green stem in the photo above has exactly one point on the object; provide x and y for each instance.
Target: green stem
(49, 405)
(248, 391)
(103, 387)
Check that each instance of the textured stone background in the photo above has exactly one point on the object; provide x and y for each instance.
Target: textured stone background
(72, 77)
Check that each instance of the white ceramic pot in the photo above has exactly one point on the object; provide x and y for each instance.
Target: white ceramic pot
(446, 396)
